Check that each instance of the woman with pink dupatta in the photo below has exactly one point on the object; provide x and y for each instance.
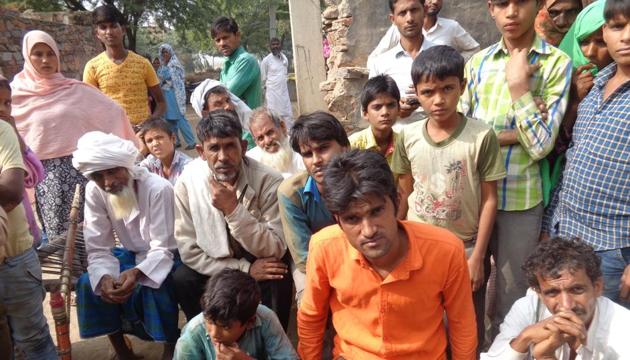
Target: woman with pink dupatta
(51, 113)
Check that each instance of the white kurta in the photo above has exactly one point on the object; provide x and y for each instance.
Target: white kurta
(274, 78)
(607, 336)
(148, 232)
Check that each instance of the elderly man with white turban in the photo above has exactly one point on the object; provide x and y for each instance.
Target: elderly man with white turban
(126, 289)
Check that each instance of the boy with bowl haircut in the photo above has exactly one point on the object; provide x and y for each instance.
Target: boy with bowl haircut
(380, 104)
(233, 324)
(503, 83)
(450, 165)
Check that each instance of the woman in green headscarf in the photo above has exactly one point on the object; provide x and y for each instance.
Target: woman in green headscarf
(585, 45)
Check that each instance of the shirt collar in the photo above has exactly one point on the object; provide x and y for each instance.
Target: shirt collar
(239, 50)
(605, 74)
(370, 142)
(311, 188)
(412, 261)
(539, 46)
(398, 49)
(438, 23)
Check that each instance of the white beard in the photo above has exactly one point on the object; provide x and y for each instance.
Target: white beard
(281, 159)
(124, 202)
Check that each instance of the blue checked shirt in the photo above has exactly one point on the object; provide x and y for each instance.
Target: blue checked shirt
(595, 196)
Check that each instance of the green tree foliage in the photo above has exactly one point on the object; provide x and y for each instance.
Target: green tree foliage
(187, 21)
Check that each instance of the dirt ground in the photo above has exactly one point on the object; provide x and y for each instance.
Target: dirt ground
(99, 348)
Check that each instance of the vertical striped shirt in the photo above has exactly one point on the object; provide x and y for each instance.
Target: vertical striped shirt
(487, 97)
(595, 196)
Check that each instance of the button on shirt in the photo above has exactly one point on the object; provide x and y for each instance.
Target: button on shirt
(399, 317)
(264, 340)
(487, 98)
(396, 62)
(606, 339)
(365, 140)
(154, 165)
(147, 231)
(241, 75)
(595, 196)
(303, 213)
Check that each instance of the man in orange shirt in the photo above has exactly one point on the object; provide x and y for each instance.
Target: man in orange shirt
(386, 283)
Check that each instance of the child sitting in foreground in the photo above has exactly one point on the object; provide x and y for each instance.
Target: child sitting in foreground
(233, 324)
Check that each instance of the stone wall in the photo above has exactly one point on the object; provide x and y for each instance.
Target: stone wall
(73, 34)
(354, 27)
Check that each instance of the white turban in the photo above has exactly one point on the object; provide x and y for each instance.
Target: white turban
(4, 231)
(97, 151)
(197, 101)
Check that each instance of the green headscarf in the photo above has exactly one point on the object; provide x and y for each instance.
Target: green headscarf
(589, 20)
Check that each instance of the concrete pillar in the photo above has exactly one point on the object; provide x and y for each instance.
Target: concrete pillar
(308, 56)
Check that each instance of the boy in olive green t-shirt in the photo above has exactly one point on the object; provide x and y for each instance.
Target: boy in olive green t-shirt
(448, 165)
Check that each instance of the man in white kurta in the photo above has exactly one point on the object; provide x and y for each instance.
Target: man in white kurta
(272, 143)
(274, 68)
(127, 288)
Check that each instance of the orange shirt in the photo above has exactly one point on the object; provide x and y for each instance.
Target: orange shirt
(399, 317)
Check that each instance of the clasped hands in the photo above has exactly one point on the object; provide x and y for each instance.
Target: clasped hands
(118, 291)
(546, 336)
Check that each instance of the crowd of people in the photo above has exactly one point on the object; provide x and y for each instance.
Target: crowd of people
(483, 213)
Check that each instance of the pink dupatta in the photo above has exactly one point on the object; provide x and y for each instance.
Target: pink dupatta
(52, 112)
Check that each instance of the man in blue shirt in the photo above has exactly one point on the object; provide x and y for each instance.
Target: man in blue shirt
(318, 137)
(594, 201)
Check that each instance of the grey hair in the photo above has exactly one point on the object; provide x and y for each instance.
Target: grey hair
(261, 111)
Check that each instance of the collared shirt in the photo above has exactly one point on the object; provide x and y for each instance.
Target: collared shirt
(241, 75)
(147, 231)
(487, 98)
(154, 165)
(450, 32)
(399, 317)
(254, 225)
(396, 62)
(264, 340)
(303, 213)
(364, 140)
(595, 196)
(296, 166)
(607, 336)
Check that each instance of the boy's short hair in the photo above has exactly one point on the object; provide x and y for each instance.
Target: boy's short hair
(317, 126)
(352, 176)
(223, 24)
(108, 13)
(438, 62)
(560, 254)
(156, 124)
(380, 84)
(219, 124)
(231, 295)
(217, 90)
(393, 2)
(615, 8)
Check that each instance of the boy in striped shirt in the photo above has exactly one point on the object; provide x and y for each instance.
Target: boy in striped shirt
(503, 82)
